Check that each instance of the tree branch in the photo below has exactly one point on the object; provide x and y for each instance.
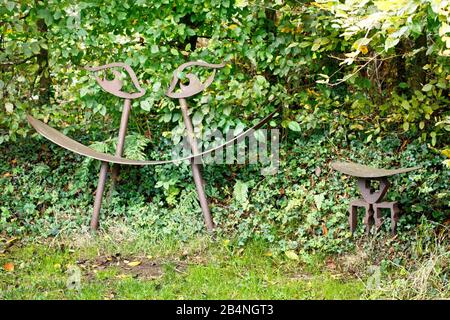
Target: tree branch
(15, 63)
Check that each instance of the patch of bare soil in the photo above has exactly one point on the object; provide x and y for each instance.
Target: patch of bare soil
(137, 267)
(336, 268)
(6, 244)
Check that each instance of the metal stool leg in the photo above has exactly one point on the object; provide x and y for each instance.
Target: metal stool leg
(368, 219)
(395, 213)
(353, 213)
(377, 214)
(353, 218)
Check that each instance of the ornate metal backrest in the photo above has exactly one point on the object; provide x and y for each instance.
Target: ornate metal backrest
(114, 86)
(194, 86)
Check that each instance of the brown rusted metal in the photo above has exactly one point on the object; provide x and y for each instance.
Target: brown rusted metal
(362, 171)
(120, 142)
(123, 127)
(67, 143)
(192, 88)
(99, 195)
(370, 195)
(114, 87)
(372, 199)
(196, 167)
(353, 214)
(395, 212)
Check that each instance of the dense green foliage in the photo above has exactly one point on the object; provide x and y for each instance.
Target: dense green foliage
(298, 208)
(362, 80)
(386, 63)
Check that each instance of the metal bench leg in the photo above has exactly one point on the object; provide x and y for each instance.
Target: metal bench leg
(196, 172)
(120, 143)
(99, 195)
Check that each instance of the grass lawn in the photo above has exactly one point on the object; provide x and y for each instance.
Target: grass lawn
(101, 268)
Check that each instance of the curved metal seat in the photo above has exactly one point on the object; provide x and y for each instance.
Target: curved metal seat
(64, 141)
(362, 171)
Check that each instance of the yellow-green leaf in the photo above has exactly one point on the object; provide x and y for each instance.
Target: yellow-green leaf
(446, 152)
(134, 263)
(406, 126)
(291, 255)
(294, 126)
(9, 107)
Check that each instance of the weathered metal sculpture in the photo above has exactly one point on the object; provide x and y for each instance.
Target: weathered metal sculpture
(372, 199)
(115, 87)
(194, 87)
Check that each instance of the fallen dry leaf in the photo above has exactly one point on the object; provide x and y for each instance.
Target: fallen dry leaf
(324, 229)
(331, 264)
(11, 241)
(110, 296)
(317, 171)
(9, 266)
(134, 263)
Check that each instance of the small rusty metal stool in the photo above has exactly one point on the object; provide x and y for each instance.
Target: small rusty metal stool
(372, 199)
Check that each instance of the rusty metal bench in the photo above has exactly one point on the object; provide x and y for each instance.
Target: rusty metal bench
(114, 87)
(372, 199)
